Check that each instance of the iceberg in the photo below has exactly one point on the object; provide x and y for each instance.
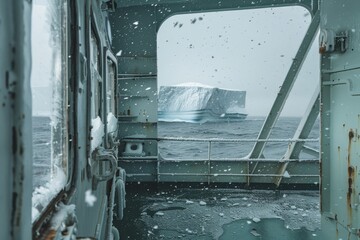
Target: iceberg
(200, 103)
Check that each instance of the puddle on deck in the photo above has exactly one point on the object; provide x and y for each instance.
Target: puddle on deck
(224, 214)
(268, 228)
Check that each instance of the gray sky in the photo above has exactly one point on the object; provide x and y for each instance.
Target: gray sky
(41, 57)
(247, 50)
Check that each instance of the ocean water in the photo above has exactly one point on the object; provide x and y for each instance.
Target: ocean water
(41, 150)
(247, 129)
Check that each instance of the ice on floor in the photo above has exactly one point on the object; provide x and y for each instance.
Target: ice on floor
(159, 213)
(253, 206)
(255, 233)
(202, 203)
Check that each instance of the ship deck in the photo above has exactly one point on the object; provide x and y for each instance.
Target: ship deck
(210, 213)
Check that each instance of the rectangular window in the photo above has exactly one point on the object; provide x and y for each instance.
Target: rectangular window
(49, 83)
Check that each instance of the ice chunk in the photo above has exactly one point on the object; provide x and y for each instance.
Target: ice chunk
(255, 219)
(159, 213)
(202, 203)
(189, 202)
(192, 103)
(255, 233)
(221, 214)
(286, 174)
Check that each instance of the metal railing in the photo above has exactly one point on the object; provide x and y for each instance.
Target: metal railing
(209, 160)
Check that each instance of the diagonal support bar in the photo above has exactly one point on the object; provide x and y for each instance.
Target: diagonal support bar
(285, 89)
(302, 132)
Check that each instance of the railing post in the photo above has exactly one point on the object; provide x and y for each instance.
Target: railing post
(209, 164)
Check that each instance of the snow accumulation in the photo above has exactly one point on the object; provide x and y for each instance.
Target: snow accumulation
(63, 212)
(97, 133)
(44, 194)
(111, 122)
(90, 199)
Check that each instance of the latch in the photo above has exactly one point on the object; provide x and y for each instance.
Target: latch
(330, 41)
(104, 165)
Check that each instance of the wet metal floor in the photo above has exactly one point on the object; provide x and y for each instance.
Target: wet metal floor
(185, 213)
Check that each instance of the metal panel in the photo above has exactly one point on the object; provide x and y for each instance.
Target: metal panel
(340, 123)
(16, 120)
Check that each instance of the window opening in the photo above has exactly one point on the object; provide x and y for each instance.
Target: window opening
(97, 125)
(110, 87)
(95, 77)
(111, 111)
(236, 50)
(49, 102)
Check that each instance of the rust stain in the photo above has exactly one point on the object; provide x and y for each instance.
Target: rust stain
(351, 175)
(339, 152)
(337, 229)
(50, 235)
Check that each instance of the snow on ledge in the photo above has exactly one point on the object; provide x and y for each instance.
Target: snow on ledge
(111, 122)
(97, 133)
